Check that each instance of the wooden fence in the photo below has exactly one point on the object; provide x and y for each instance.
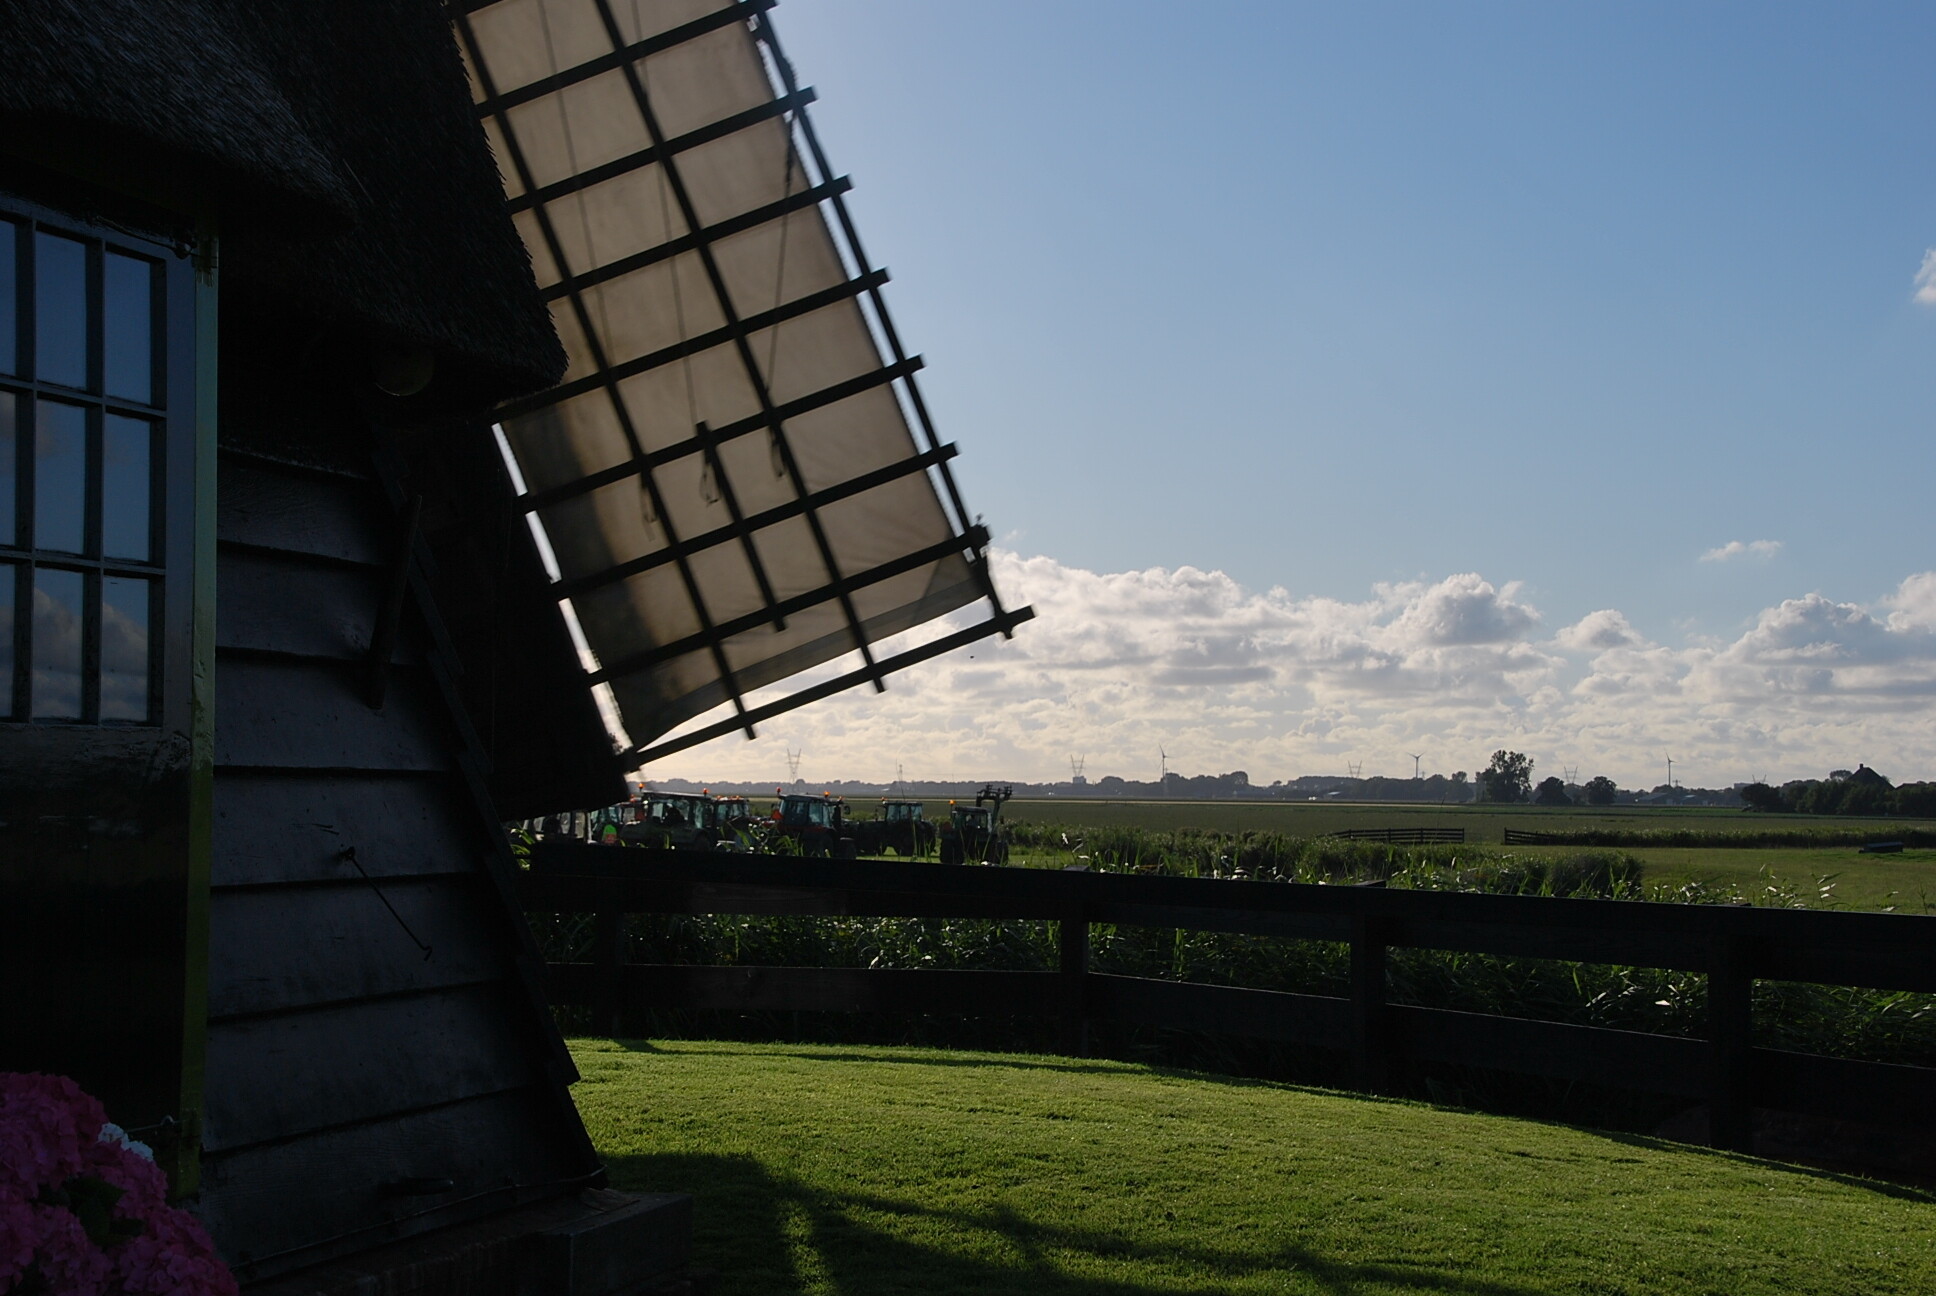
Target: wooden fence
(1402, 836)
(1732, 945)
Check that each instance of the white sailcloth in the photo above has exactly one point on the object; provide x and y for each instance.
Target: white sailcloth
(726, 475)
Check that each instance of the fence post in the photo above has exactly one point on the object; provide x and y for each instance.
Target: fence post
(1073, 936)
(1730, 1032)
(607, 951)
(1370, 1026)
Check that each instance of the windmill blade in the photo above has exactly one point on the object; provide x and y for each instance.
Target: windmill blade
(726, 475)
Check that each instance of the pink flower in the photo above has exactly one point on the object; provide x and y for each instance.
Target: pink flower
(70, 1264)
(173, 1258)
(47, 1125)
(54, 1161)
(141, 1180)
(18, 1231)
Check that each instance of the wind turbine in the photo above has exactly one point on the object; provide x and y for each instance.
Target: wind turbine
(1163, 758)
(1415, 759)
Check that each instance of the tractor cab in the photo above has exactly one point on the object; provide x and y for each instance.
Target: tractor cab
(817, 823)
(901, 828)
(677, 819)
(976, 833)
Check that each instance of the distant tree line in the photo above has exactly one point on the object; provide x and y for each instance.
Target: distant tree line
(1860, 791)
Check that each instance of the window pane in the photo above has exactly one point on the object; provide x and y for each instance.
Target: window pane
(60, 310)
(9, 456)
(7, 576)
(57, 645)
(126, 338)
(126, 447)
(60, 477)
(124, 649)
(9, 299)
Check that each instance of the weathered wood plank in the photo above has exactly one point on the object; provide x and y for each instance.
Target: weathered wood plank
(795, 989)
(274, 1077)
(272, 827)
(1223, 1010)
(1844, 1089)
(497, 1150)
(1886, 950)
(272, 605)
(1631, 1059)
(285, 714)
(338, 519)
(276, 948)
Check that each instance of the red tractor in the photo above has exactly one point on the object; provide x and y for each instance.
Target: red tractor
(817, 824)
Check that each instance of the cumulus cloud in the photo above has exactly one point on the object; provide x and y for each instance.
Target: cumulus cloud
(1926, 279)
(1276, 684)
(1738, 549)
(1598, 632)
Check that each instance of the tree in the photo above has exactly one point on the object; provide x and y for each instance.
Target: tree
(1551, 792)
(1918, 799)
(1509, 778)
(1600, 790)
(1759, 796)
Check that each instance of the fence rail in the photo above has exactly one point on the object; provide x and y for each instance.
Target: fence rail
(1402, 836)
(1732, 945)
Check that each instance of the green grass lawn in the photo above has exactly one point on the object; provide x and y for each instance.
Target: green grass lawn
(877, 1171)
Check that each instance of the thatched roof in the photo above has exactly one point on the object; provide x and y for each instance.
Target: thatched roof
(336, 145)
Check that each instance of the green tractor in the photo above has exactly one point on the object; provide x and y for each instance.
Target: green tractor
(902, 828)
(679, 820)
(977, 833)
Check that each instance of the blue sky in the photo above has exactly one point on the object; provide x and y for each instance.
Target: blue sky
(1338, 299)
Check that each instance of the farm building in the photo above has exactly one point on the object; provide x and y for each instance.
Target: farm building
(281, 653)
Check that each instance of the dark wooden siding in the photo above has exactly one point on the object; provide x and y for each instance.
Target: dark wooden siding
(377, 1062)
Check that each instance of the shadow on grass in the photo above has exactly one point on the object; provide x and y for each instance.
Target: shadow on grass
(770, 1235)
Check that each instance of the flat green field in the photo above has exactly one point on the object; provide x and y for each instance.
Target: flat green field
(846, 1171)
(1482, 823)
(1905, 882)
(1839, 876)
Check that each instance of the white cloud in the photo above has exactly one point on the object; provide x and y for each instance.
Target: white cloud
(1226, 678)
(1926, 279)
(1597, 632)
(1733, 549)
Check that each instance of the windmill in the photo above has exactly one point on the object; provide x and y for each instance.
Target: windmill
(1163, 761)
(647, 501)
(1670, 773)
(1416, 757)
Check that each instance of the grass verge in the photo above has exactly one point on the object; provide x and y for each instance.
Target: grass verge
(879, 1171)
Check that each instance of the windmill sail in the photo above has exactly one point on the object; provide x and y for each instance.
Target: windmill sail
(727, 475)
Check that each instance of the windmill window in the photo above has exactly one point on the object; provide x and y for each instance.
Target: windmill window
(83, 420)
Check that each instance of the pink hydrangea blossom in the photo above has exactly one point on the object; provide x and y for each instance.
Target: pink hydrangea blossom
(173, 1257)
(67, 1260)
(47, 1125)
(142, 1181)
(54, 1153)
(18, 1230)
